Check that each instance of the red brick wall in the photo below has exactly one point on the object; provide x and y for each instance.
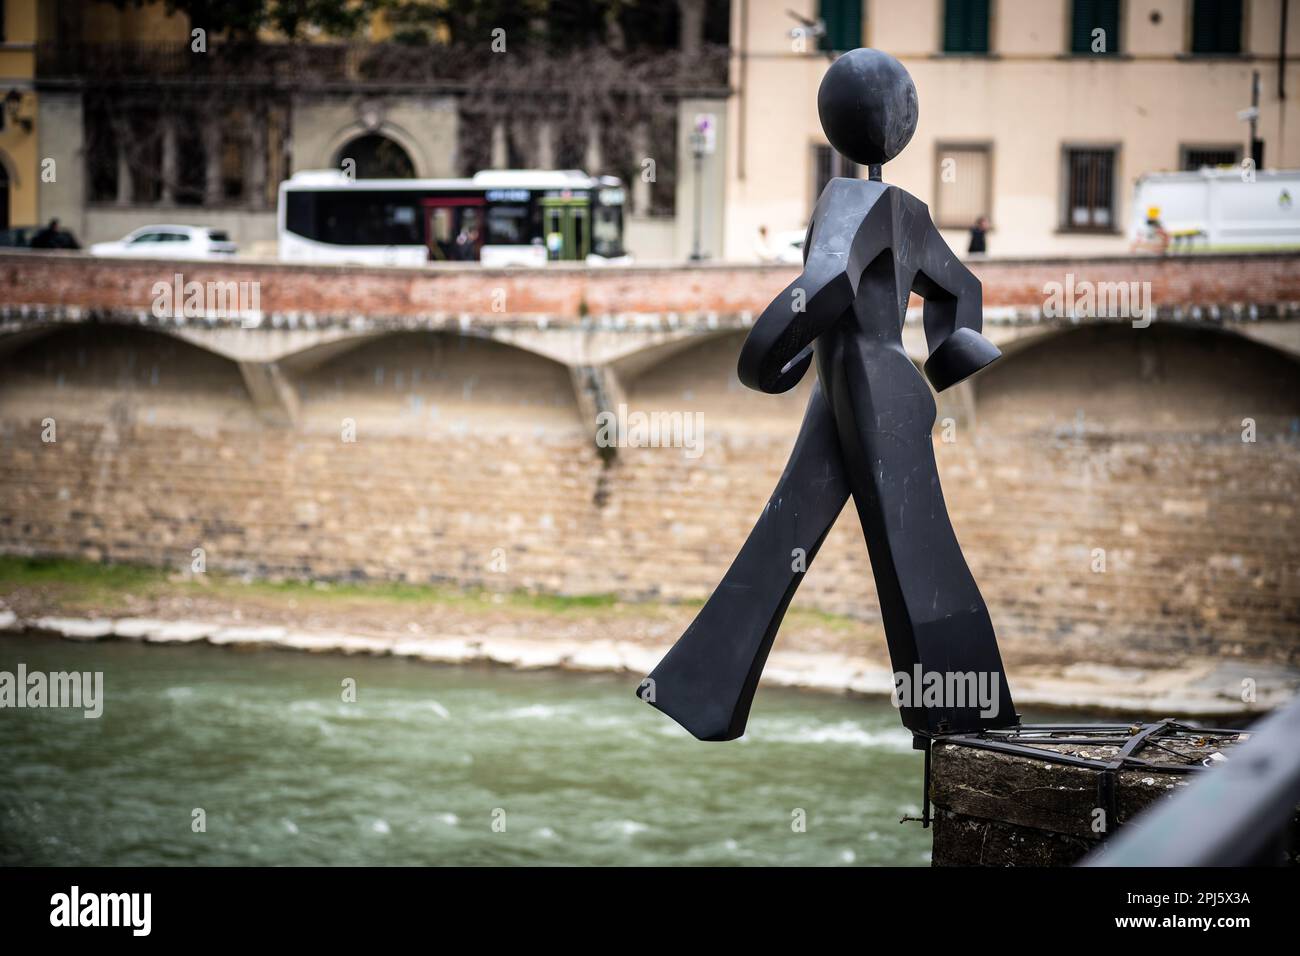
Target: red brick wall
(567, 292)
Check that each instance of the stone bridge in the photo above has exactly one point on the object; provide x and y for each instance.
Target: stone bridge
(606, 326)
(1121, 493)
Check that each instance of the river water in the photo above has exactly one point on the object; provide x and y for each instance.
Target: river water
(432, 765)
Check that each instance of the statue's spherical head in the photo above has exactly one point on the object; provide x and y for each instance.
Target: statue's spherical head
(867, 104)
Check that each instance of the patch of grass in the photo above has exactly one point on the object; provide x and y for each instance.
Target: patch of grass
(402, 591)
(395, 591)
(835, 622)
(80, 585)
(576, 602)
(88, 581)
(77, 582)
(29, 572)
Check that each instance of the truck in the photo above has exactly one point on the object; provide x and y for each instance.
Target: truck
(1225, 207)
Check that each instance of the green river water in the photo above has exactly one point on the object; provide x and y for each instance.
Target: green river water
(571, 769)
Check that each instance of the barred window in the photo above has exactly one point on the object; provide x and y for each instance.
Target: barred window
(1196, 157)
(1090, 189)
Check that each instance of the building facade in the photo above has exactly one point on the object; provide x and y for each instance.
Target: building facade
(162, 120)
(20, 167)
(1039, 114)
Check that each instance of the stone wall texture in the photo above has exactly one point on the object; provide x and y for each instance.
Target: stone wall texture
(1098, 478)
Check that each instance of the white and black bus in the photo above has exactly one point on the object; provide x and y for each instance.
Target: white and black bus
(498, 218)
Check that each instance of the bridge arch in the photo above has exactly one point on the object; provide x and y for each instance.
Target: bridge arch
(106, 371)
(1166, 377)
(424, 381)
(699, 375)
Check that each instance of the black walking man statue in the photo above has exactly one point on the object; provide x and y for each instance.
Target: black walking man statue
(866, 433)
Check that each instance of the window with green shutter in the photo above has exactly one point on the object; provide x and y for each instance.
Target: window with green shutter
(1089, 17)
(966, 26)
(1216, 26)
(843, 19)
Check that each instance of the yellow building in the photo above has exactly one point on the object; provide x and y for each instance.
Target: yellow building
(1040, 114)
(20, 168)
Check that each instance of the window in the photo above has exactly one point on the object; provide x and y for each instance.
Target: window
(361, 218)
(1216, 26)
(509, 224)
(963, 191)
(966, 26)
(843, 21)
(154, 237)
(827, 165)
(1094, 27)
(440, 224)
(1090, 189)
(607, 230)
(581, 242)
(1192, 158)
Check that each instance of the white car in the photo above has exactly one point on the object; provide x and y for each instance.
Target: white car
(169, 242)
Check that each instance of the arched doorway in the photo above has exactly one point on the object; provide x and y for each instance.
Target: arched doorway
(376, 157)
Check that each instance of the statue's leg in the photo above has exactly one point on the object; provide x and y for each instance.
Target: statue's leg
(706, 682)
(936, 622)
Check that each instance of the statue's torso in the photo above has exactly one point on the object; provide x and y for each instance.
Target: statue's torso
(847, 220)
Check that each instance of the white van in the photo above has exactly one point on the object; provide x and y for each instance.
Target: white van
(1220, 208)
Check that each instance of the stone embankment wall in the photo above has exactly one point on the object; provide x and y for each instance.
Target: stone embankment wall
(1103, 492)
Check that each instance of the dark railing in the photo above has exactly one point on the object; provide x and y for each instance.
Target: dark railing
(1237, 814)
(378, 63)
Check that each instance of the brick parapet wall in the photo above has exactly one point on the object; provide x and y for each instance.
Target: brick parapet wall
(572, 294)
